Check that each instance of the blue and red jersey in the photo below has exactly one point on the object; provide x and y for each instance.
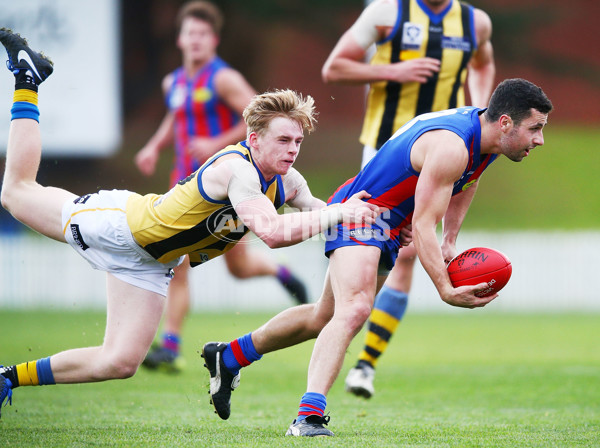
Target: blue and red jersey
(391, 180)
(198, 111)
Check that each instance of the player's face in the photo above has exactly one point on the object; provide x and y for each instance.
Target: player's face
(434, 4)
(519, 140)
(275, 150)
(197, 40)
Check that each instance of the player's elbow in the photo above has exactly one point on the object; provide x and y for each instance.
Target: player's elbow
(329, 73)
(268, 236)
(332, 77)
(274, 241)
(326, 74)
(273, 232)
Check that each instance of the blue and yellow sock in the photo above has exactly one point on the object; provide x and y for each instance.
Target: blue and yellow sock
(390, 306)
(25, 105)
(311, 403)
(34, 373)
(240, 353)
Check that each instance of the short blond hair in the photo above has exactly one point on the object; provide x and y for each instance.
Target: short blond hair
(287, 103)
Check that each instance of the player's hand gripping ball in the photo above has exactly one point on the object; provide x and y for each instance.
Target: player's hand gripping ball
(478, 265)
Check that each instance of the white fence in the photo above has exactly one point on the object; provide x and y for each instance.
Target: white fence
(552, 271)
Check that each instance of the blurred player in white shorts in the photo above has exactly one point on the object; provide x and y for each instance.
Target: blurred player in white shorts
(109, 245)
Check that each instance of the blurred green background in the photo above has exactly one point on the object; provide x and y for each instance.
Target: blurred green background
(284, 44)
(279, 44)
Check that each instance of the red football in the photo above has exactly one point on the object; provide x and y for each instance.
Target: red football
(478, 265)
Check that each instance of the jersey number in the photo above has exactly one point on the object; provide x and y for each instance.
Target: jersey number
(187, 179)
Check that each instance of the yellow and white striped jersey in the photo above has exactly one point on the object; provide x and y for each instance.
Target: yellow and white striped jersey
(186, 220)
(448, 36)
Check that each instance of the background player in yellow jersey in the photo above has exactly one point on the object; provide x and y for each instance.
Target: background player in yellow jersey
(138, 239)
(205, 99)
(424, 49)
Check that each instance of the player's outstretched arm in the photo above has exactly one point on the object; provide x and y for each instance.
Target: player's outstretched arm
(236, 180)
(260, 216)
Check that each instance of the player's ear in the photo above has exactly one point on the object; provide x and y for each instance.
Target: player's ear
(505, 122)
(253, 140)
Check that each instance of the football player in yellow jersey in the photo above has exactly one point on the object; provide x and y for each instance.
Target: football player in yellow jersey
(138, 239)
(423, 50)
(205, 99)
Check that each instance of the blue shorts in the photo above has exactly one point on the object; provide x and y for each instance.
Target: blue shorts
(369, 235)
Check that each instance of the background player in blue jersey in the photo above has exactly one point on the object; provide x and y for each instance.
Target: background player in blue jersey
(138, 239)
(423, 50)
(205, 100)
(426, 173)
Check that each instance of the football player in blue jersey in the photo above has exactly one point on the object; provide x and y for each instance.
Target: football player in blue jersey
(425, 173)
(422, 53)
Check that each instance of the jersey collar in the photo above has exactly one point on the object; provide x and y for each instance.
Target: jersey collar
(264, 185)
(435, 18)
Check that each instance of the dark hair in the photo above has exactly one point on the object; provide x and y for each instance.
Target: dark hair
(201, 10)
(515, 98)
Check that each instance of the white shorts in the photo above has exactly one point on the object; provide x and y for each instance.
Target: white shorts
(368, 153)
(95, 225)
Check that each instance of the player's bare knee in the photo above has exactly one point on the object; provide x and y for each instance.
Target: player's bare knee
(321, 316)
(4, 200)
(12, 201)
(6, 196)
(125, 370)
(358, 313)
(406, 262)
(122, 367)
(18, 196)
(407, 255)
(238, 270)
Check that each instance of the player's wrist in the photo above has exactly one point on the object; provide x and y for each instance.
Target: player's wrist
(330, 216)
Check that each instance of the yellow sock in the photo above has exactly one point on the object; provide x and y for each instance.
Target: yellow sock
(27, 374)
(25, 105)
(381, 327)
(26, 96)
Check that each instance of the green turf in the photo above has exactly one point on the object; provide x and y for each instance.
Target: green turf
(467, 379)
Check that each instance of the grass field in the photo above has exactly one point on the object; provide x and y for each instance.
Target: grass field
(468, 379)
